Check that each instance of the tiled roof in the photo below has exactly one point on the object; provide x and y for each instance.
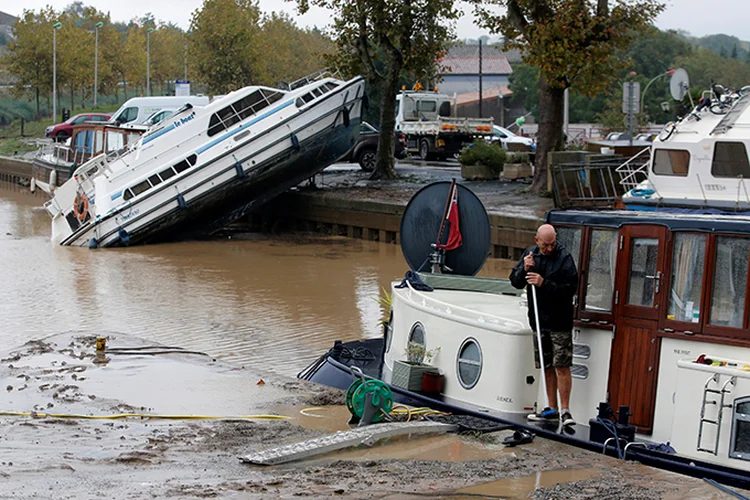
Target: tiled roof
(464, 60)
(473, 97)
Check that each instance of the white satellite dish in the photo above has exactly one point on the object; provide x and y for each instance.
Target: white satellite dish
(679, 85)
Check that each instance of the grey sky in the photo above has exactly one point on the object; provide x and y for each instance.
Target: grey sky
(697, 17)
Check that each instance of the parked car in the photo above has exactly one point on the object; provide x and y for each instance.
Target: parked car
(364, 152)
(62, 131)
(509, 140)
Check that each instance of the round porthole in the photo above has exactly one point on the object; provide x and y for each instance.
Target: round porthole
(389, 333)
(415, 347)
(469, 363)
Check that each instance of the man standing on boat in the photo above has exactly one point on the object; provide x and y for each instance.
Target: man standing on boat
(550, 268)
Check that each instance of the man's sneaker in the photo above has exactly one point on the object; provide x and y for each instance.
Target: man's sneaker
(546, 415)
(567, 419)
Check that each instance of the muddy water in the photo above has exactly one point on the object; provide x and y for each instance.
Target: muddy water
(275, 302)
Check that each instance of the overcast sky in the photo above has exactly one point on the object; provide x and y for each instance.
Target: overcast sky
(697, 17)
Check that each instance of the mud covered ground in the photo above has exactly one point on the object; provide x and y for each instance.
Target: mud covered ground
(46, 454)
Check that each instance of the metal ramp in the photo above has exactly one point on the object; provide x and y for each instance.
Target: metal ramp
(707, 389)
(731, 117)
(367, 435)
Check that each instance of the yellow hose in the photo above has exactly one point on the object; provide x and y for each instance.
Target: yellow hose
(138, 415)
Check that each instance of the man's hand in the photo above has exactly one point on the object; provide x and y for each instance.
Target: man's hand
(534, 279)
(528, 262)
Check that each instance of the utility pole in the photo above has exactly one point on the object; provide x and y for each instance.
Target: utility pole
(480, 78)
(148, 61)
(96, 59)
(55, 27)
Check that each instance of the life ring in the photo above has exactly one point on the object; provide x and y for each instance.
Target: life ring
(81, 207)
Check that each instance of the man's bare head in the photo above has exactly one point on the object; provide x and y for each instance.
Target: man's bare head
(546, 239)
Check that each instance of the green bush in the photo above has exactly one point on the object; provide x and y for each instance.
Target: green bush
(517, 158)
(481, 152)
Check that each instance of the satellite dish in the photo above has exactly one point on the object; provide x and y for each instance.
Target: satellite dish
(679, 84)
(420, 226)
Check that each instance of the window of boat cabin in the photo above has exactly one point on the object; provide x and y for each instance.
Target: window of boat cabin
(115, 141)
(686, 280)
(570, 239)
(729, 287)
(730, 160)
(601, 259)
(671, 162)
(98, 141)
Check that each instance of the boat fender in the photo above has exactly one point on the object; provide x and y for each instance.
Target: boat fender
(295, 142)
(181, 201)
(240, 170)
(93, 243)
(53, 179)
(345, 114)
(32, 185)
(124, 236)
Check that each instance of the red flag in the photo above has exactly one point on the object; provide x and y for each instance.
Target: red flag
(454, 231)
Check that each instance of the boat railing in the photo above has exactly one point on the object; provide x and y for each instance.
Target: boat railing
(634, 171)
(318, 75)
(464, 314)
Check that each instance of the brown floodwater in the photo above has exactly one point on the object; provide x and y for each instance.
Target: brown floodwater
(271, 302)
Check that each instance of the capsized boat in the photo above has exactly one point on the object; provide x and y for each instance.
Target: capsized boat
(207, 166)
(661, 349)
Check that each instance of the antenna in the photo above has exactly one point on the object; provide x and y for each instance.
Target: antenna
(679, 85)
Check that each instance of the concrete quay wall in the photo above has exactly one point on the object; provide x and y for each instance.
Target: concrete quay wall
(15, 171)
(373, 220)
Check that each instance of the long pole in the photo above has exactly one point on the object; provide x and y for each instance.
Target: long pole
(643, 95)
(480, 78)
(96, 60)
(541, 351)
(148, 62)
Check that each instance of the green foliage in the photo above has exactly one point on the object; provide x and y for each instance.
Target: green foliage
(480, 152)
(418, 355)
(385, 302)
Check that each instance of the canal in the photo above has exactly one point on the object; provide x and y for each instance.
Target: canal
(268, 301)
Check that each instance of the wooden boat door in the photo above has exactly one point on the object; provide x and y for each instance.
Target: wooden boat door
(639, 285)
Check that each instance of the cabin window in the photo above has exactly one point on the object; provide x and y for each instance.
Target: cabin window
(740, 441)
(316, 92)
(140, 188)
(642, 279)
(416, 337)
(154, 180)
(601, 270)
(98, 141)
(331, 85)
(469, 363)
(686, 283)
(570, 239)
(166, 174)
(272, 96)
(128, 194)
(115, 141)
(248, 105)
(182, 166)
(671, 162)
(730, 160)
(729, 283)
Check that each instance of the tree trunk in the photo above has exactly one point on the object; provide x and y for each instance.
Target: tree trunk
(550, 135)
(38, 108)
(385, 167)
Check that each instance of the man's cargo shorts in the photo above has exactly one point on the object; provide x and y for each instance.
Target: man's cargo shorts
(557, 348)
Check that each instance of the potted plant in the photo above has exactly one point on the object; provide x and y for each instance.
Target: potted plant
(409, 374)
(482, 161)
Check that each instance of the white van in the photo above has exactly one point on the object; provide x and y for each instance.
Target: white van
(138, 109)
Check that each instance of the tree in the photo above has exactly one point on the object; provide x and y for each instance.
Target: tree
(382, 38)
(574, 43)
(224, 44)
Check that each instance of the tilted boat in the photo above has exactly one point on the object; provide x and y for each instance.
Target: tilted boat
(661, 368)
(207, 166)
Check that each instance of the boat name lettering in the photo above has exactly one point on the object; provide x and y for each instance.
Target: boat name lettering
(131, 214)
(682, 352)
(505, 399)
(182, 121)
(715, 187)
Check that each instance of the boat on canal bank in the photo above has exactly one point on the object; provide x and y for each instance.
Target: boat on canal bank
(661, 334)
(207, 166)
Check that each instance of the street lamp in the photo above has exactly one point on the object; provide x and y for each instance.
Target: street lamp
(148, 61)
(643, 96)
(96, 59)
(55, 27)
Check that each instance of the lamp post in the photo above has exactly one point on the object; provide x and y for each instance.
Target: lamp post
(643, 96)
(96, 59)
(55, 27)
(148, 61)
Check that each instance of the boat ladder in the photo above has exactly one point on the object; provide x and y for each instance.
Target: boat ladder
(367, 435)
(732, 115)
(707, 389)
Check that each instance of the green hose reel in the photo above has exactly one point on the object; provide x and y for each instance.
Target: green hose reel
(380, 398)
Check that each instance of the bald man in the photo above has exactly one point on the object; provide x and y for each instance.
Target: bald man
(551, 269)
